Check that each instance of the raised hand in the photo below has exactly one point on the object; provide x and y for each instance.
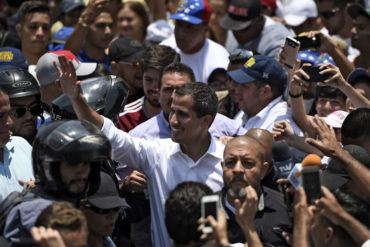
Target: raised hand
(67, 78)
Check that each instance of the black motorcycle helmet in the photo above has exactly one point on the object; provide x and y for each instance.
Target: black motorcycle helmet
(19, 83)
(107, 95)
(71, 141)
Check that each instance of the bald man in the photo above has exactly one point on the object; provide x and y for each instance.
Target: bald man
(244, 164)
(266, 139)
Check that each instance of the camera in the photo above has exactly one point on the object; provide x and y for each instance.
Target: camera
(307, 43)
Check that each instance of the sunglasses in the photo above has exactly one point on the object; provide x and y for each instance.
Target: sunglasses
(99, 210)
(329, 13)
(19, 111)
(242, 53)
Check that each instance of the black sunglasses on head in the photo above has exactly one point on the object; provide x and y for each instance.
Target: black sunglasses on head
(19, 111)
(329, 13)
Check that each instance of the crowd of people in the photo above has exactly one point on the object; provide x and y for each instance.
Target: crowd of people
(118, 117)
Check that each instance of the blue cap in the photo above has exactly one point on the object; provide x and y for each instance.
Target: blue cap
(193, 11)
(12, 58)
(62, 34)
(315, 57)
(260, 68)
(69, 5)
(357, 73)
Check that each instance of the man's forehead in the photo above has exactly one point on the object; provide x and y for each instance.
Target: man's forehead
(175, 79)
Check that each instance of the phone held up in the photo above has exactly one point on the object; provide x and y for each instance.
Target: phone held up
(311, 183)
(291, 49)
(314, 74)
(209, 206)
(307, 43)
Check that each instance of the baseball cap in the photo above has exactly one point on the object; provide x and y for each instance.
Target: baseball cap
(299, 11)
(12, 58)
(126, 49)
(159, 31)
(315, 57)
(260, 68)
(336, 119)
(356, 9)
(240, 14)
(356, 74)
(335, 175)
(46, 72)
(107, 196)
(69, 5)
(193, 11)
(269, 3)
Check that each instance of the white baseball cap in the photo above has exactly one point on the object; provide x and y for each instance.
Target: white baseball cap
(336, 119)
(299, 11)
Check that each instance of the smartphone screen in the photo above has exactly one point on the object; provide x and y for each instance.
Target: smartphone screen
(209, 207)
(311, 184)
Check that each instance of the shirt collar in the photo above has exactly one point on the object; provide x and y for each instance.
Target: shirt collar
(262, 114)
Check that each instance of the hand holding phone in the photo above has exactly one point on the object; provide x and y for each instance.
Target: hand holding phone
(209, 206)
(314, 74)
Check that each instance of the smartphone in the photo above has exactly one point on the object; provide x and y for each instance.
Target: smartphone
(210, 205)
(307, 43)
(311, 183)
(314, 74)
(291, 48)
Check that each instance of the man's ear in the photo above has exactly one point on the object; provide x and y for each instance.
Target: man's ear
(18, 27)
(329, 234)
(265, 168)
(207, 120)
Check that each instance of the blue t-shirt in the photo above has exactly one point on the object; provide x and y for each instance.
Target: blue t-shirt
(17, 165)
(84, 58)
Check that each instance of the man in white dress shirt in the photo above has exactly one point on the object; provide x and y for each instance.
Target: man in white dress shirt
(190, 155)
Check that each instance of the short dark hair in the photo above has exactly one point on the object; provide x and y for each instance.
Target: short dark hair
(354, 206)
(62, 216)
(337, 3)
(205, 99)
(183, 208)
(31, 7)
(329, 92)
(159, 56)
(277, 90)
(178, 67)
(357, 124)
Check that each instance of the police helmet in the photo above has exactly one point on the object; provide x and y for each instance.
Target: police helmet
(18, 83)
(73, 142)
(107, 95)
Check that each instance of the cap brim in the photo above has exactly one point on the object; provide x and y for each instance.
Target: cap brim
(240, 76)
(108, 202)
(85, 69)
(294, 20)
(234, 25)
(186, 18)
(332, 181)
(329, 121)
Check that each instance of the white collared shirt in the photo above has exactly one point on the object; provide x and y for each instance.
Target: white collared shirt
(276, 110)
(165, 166)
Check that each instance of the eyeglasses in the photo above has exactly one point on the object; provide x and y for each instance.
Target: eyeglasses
(99, 210)
(329, 13)
(242, 53)
(134, 64)
(18, 111)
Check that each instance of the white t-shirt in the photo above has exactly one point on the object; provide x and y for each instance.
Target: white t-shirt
(212, 56)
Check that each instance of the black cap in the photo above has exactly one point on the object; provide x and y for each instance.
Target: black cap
(356, 9)
(126, 50)
(240, 14)
(107, 196)
(335, 176)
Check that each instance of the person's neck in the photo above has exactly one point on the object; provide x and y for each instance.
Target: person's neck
(32, 57)
(150, 109)
(198, 148)
(93, 52)
(196, 48)
(95, 240)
